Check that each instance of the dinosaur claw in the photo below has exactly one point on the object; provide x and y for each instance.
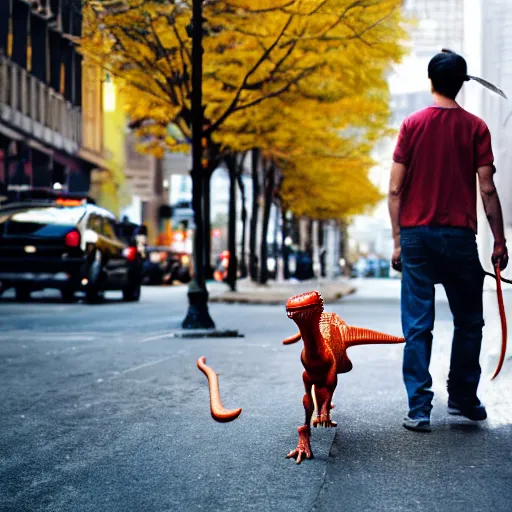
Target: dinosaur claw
(324, 422)
(300, 455)
(303, 450)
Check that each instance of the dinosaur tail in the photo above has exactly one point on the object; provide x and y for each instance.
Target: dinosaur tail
(362, 336)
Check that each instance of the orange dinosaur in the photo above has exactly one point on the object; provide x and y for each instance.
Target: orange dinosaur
(326, 339)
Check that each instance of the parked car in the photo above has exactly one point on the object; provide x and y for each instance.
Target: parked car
(164, 266)
(384, 267)
(304, 266)
(361, 268)
(371, 267)
(66, 243)
(221, 266)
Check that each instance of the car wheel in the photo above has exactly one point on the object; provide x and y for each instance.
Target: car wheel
(68, 295)
(93, 293)
(183, 275)
(22, 294)
(131, 293)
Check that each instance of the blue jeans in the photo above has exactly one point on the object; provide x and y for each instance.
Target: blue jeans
(432, 255)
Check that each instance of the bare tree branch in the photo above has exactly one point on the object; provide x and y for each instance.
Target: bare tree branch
(184, 50)
(167, 87)
(257, 101)
(339, 20)
(175, 86)
(258, 63)
(99, 62)
(269, 9)
(359, 35)
(142, 66)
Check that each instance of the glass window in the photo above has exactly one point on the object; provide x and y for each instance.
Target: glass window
(109, 229)
(184, 184)
(95, 223)
(45, 215)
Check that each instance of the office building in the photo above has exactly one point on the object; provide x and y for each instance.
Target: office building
(41, 98)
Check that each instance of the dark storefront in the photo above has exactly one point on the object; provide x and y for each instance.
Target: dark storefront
(40, 96)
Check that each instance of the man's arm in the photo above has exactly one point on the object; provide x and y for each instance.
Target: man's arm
(492, 207)
(396, 184)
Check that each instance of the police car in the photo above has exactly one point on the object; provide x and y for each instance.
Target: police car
(66, 242)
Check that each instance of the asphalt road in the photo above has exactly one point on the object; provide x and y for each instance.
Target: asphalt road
(103, 410)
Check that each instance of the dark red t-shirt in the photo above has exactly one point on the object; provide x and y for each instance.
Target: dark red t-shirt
(442, 149)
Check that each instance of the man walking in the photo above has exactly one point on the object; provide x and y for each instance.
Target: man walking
(441, 152)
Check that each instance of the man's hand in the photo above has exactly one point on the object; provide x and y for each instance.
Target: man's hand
(396, 259)
(500, 255)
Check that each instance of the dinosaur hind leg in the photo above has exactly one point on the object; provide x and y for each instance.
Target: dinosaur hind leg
(324, 396)
(303, 449)
(315, 402)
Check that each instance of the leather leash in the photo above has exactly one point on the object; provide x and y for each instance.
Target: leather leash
(503, 317)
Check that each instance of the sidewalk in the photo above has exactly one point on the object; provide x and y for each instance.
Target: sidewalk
(389, 289)
(279, 292)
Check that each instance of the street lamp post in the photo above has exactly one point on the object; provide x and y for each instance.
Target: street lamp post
(197, 316)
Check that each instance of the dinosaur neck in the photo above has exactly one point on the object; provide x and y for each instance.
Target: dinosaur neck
(311, 336)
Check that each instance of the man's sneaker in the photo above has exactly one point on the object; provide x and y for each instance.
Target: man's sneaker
(418, 425)
(474, 412)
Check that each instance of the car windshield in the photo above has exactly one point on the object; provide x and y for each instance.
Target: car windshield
(54, 215)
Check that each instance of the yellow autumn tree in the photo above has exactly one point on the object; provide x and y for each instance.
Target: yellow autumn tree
(254, 50)
(322, 150)
(297, 57)
(327, 144)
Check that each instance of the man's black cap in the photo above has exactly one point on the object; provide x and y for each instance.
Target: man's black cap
(447, 65)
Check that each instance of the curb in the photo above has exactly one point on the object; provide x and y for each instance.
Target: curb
(245, 297)
(206, 333)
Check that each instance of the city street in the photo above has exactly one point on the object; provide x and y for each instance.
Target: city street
(104, 410)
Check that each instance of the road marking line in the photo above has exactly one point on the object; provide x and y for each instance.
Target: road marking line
(46, 337)
(158, 337)
(145, 365)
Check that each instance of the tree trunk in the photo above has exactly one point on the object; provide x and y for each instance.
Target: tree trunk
(275, 245)
(343, 249)
(304, 242)
(268, 190)
(332, 255)
(316, 248)
(323, 248)
(286, 248)
(256, 191)
(231, 162)
(208, 270)
(243, 258)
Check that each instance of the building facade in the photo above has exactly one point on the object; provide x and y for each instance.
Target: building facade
(41, 98)
(489, 54)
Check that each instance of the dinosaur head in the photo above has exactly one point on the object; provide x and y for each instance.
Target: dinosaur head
(304, 305)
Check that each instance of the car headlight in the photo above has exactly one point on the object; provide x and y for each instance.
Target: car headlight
(154, 257)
